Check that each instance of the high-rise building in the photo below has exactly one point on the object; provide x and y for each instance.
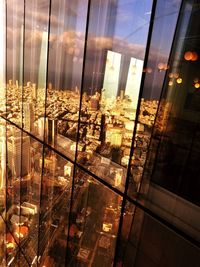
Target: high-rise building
(18, 154)
(99, 133)
(29, 117)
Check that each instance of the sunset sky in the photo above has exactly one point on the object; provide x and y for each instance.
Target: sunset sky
(121, 26)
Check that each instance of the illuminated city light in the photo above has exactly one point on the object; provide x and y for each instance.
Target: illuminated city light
(12, 259)
(170, 83)
(166, 67)
(67, 170)
(10, 245)
(197, 85)
(149, 70)
(188, 55)
(118, 179)
(179, 80)
(176, 75)
(194, 56)
(107, 227)
(191, 56)
(161, 66)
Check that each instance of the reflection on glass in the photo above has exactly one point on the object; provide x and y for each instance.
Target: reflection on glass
(131, 229)
(111, 76)
(14, 60)
(172, 165)
(93, 223)
(3, 58)
(35, 66)
(151, 243)
(133, 81)
(14, 146)
(3, 163)
(177, 122)
(67, 34)
(166, 13)
(3, 243)
(113, 70)
(55, 203)
(23, 190)
(74, 93)
(21, 210)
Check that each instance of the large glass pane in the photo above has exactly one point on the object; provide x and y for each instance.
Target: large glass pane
(35, 65)
(150, 243)
(14, 59)
(3, 58)
(3, 243)
(18, 259)
(94, 223)
(14, 177)
(66, 46)
(161, 41)
(3, 168)
(55, 203)
(180, 128)
(160, 246)
(174, 186)
(113, 70)
(10, 254)
(130, 235)
(23, 189)
(30, 192)
(70, 90)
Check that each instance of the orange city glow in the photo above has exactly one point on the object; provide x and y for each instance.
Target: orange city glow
(189, 55)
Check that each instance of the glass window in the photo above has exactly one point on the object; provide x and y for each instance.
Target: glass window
(3, 243)
(94, 222)
(173, 161)
(23, 189)
(67, 36)
(178, 118)
(159, 245)
(13, 182)
(54, 208)
(112, 76)
(127, 244)
(3, 58)
(35, 66)
(166, 14)
(3, 168)
(146, 242)
(30, 192)
(99, 106)
(14, 59)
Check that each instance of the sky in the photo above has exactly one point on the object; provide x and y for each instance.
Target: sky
(118, 25)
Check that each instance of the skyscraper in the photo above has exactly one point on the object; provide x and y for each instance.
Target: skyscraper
(29, 117)
(18, 150)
